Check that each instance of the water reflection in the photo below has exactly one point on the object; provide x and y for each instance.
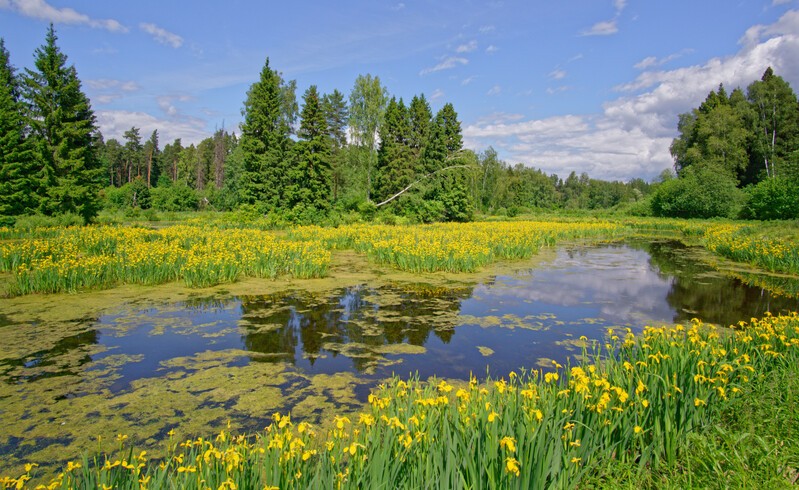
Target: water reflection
(244, 357)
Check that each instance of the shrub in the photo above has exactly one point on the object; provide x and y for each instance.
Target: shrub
(776, 198)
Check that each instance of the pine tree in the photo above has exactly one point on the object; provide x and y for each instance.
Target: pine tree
(336, 114)
(16, 156)
(68, 173)
(151, 156)
(265, 142)
(310, 180)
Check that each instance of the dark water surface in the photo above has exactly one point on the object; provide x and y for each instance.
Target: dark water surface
(195, 365)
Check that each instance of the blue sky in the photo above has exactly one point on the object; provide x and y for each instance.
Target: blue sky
(573, 85)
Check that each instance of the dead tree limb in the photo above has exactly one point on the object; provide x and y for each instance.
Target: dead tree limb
(398, 194)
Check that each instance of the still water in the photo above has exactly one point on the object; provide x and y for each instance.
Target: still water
(193, 366)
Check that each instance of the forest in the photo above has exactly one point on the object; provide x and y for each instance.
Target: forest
(331, 158)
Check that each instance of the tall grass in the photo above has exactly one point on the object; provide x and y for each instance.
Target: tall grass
(632, 402)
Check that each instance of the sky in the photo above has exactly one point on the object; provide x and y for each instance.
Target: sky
(590, 86)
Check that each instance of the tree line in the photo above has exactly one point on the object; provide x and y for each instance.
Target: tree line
(329, 157)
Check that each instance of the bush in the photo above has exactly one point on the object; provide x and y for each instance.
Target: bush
(700, 192)
(776, 198)
(178, 197)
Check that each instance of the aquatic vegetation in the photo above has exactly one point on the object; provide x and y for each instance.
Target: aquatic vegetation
(75, 258)
(748, 244)
(453, 247)
(633, 398)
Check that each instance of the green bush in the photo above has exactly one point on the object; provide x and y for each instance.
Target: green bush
(775, 198)
(178, 197)
(699, 192)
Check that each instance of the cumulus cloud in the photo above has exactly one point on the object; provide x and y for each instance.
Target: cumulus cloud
(492, 49)
(40, 9)
(446, 64)
(113, 124)
(162, 35)
(630, 137)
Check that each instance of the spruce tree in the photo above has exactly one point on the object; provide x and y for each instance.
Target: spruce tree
(265, 142)
(420, 120)
(395, 169)
(310, 181)
(16, 157)
(68, 173)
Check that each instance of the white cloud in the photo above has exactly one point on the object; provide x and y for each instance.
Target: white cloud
(630, 137)
(652, 61)
(40, 9)
(486, 29)
(468, 80)
(446, 64)
(113, 124)
(398, 7)
(166, 103)
(467, 48)
(162, 35)
(604, 28)
(492, 49)
(557, 74)
(437, 94)
(495, 90)
(110, 84)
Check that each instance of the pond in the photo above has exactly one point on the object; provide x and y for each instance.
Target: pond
(146, 366)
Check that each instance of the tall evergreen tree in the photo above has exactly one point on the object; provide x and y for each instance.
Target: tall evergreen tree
(265, 139)
(152, 154)
(451, 186)
(336, 115)
(133, 154)
(395, 166)
(420, 117)
(16, 156)
(310, 181)
(69, 175)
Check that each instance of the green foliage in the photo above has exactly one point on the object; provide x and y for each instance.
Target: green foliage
(17, 188)
(701, 192)
(178, 197)
(68, 174)
(309, 180)
(368, 101)
(776, 198)
(269, 113)
(775, 125)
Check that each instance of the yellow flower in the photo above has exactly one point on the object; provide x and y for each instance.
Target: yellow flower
(512, 466)
(699, 402)
(638, 429)
(30, 466)
(550, 377)
(576, 460)
(493, 416)
(509, 443)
